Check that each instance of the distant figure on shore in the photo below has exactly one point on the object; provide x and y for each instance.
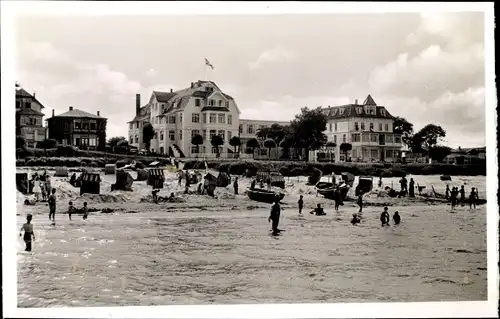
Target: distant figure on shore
(275, 216)
(473, 197)
(462, 195)
(36, 189)
(235, 185)
(411, 189)
(85, 211)
(396, 218)
(44, 191)
(301, 204)
(180, 178)
(318, 210)
(28, 232)
(71, 210)
(360, 202)
(52, 206)
(355, 219)
(268, 182)
(380, 181)
(252, 184)
(188, 179)
(447, 192)
(384, 217)
(454, 194)
(404, 186)
(336, 198)
(72, 179)
(154, 193)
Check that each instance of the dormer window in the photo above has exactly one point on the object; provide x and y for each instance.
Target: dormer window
(382, 112)
(372, 110)
(335, 111)
(341, 111)
(359, 110)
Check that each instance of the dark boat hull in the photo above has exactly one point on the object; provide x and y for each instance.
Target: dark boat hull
(264, 196)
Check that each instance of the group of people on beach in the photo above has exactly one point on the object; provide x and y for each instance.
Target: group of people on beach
(454, 198)
(41, 186)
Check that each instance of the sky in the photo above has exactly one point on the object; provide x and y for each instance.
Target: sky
(428, 68)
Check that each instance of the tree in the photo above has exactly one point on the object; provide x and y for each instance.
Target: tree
(147, 134)
(216, 142)
(252, 144)
(20, 142)
(345, 148)
(308, 128)
(275, 132)
(287, 142)
(235, 142)
(269, 143)
(197, 140)
(114, 141)
(405, 128)
(427, 137)
(331, 144)
(439, 152)
(47, 143)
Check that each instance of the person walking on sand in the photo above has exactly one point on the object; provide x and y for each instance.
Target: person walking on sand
(396, 218)
(28, 232)
(85, 211)
(275, 216)
(462, 195)
(360, 202)
(36, 189)
(235, 185)
(411, 189)
(380, 181)
(384, 217)
(71, 210)
(52, 206)
(301, 204)
(473, 197)
(447, 192)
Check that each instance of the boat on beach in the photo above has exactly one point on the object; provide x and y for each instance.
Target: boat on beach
(262, 195)
(365, 184)
(328, 190)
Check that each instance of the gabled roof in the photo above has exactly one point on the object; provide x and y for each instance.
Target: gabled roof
(22, 93)
(79, 114)
(369, 101)
(29, 112)
(163, 97)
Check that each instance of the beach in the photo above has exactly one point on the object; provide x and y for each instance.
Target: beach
(219, 250)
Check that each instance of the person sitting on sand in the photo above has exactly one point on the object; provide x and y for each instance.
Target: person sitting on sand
(318, 210)
(447, 192)
(85, 211)
(28, 232)
(301, 204)
(396, 218)
(360, 202)
(473, 197)
(171, 197)
(71, 210)
(275, 216)
(355, 219)
(462, 195)
(384, 217)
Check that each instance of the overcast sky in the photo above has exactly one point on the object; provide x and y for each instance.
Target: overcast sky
(426, 68)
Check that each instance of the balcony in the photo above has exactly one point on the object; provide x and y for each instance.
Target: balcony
(376, 139)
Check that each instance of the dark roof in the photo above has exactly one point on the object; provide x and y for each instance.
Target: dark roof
(369, 101)
(215, 108)
(164, 97)
(79, 113)
(22, 93)
(29, 112)
(202, 94)
(355, 110)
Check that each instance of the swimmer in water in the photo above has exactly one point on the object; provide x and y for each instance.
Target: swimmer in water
(396, 218)
(71, 210)
(384, 217)
(28, 232)
(85, 211)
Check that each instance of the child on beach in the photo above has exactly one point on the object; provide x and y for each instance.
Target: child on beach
(301, 204)
(473, 197)
(355, 220)
(28, 232)
(447, 193)
(360, 202)
(396, 218)
(319, 211)
(44, 191)
(85, 211)
(36, 189)
(384, 217)
(52, 205)
(71, 210)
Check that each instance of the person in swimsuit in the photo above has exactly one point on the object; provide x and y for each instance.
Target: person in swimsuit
(71, 210)
(28, 232)
(275, 216)
(52, 205)
(318, 210)
(473, 197)
(336, 198)
(384, 217)
(447, 193)
(301, 204)
(85, 211)
(396, 218)
(462, 195)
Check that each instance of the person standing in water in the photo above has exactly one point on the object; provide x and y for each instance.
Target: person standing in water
(71, 210)
(462, 195)
(384, 217)
(52, 206)
(411, 189)
(360, 202)
(235, 185)
(336, 198)
(28, 232)
(275, 216)
(396, 218)
(301, 204)
(473, 197)
(447, 192)
(85, 211)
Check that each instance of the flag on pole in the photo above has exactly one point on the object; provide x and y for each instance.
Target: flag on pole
(208, 63)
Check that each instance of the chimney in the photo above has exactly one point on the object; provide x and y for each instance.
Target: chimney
(171, 90)
(356, 102)
(34, 94)
(137, 104)
(53, 112)
(98, 113)
(71, 108)
(192, 84)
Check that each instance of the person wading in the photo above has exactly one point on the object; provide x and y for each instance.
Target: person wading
(473, 197)
(275, 216)
(52, 206)
(301, 204)
(235, 185)
(384, 217)
(28, 232)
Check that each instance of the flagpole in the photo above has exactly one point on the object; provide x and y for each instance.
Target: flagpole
(205, 72)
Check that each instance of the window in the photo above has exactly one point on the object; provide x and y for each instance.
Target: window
(365, 138)
(204, 115)
(194, 149)
(161, 136)
(250, 129)
(229, 135)
(221, 118)
(354, 153)
(180, 135)
(386, 127)
(131, 126)
(389, 154)
(356, 126)
(374, 153)
(204, 149)
(222, 134)
(330, 127)
(92, 126)
(137, 139)
(380, 127)
(343, 138)
(204, 135)
(171, 135)
(214, 150)
(240, 128)
(137, 125)
(359, 110)
(229, 119)
(389, 138)
(371, 126)
(197, 102)
(212, 134)
(211, 102)
(195, 118)
(227, 104)
(397, 139)
(194, 132)
(213, 118)
(341, 111)
(362, 126)
(180, 117)
(155, 136)
(356, 138)
(31, 121)
(335, 127)
(78, 125)
(220, 102)
(373, 138)
(335, 139)
(172, 119)
(131, 140)
(382, 112)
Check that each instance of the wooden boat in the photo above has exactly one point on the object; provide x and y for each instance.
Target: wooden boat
(262, 195)
(445, 177)
(365, 184)
(277, 178)
(328, 190)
